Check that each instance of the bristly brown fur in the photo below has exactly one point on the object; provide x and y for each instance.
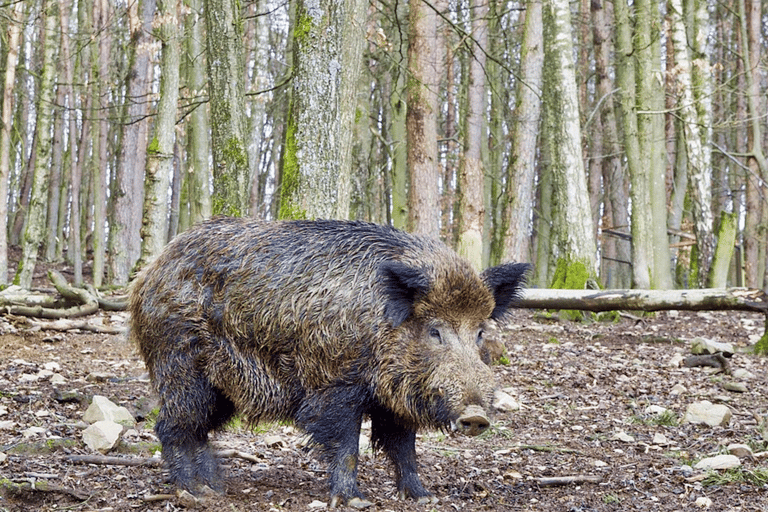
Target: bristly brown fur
(293, 320)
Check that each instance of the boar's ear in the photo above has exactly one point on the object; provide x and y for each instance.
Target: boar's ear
(402, 285)
(505, 282)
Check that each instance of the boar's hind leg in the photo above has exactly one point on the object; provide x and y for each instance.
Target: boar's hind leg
(190, 408)
(399, 443)
(333, 419)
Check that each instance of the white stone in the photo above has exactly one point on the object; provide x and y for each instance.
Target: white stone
(273, 441)
(705, 346)
(624, 437)
(102, 409)
(7, 425)
(660, 439)
(707, 413)
(742, 374)
(740, 450)
(33, 431)
(678, 389)
(317, 505)
(503, 402)
(703, 502)
(364, 443)
(57, 379)
(675, 361)
(102, 436)
(656, 409)
(718, 462)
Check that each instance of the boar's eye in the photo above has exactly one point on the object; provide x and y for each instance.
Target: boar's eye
(480, 337)
(434, 333)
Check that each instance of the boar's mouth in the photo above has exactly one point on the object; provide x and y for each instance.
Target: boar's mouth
(473, 421)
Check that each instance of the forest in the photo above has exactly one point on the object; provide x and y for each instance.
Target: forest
(616, 143)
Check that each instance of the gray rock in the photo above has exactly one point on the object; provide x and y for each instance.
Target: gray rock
(503, 402)
(740, 450)
(102, 409)
(102, 436)
(707, 413)
(705, 346)
(718, 462)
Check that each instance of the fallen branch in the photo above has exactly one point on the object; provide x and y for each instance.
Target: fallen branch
(567, 480)
(113, 461)
(741, 299)
(64, 324)
(107, 460)
(43, 486)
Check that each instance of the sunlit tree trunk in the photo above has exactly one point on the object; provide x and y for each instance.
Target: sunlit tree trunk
(197, 189)
(11, 59)
(573, 250)
(160, 150)
(617, 271)
(421, 121)
(754, 235)
(317, 154)
(35, 223)
(127, 188)
(471, 173)
(522, 163)
(226, 89)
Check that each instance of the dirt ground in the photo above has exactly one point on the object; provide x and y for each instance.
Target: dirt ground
(583, 389)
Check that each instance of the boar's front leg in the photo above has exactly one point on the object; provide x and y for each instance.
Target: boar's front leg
(398, 441)
(333, 419)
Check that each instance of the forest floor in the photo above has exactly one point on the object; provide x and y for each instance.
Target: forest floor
(583, 388)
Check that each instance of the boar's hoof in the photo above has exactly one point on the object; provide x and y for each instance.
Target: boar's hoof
(356, 503)
(473, 421)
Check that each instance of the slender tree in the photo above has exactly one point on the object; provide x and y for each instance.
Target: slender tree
(12, 55)
(160, 151)
(34, 229)
(421, 121)
(521, 175)
(226, 88)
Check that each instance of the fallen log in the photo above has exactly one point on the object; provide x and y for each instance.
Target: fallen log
(713, 299)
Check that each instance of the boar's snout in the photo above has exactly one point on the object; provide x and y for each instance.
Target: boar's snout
(473, 421)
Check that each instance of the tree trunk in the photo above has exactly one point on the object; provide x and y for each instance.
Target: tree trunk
(127, 189)
(754, 236)
(99, 163)
(12, 41)
(421, 121)
(616, 251)
(318, 142)
(471, 173)
(197, 176)
(573, 250)
(521, 176)
(226, 89)
(160, 151)
(33, 232)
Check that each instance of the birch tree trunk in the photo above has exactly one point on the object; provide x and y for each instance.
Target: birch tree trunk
(11, 59)
(328, 38)
(521, 176)
(127, 188)
(573, 250)
(699, 165)
(226, 89)
(35, 223)
(471, 173)
(160, 151)
(421, 121)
